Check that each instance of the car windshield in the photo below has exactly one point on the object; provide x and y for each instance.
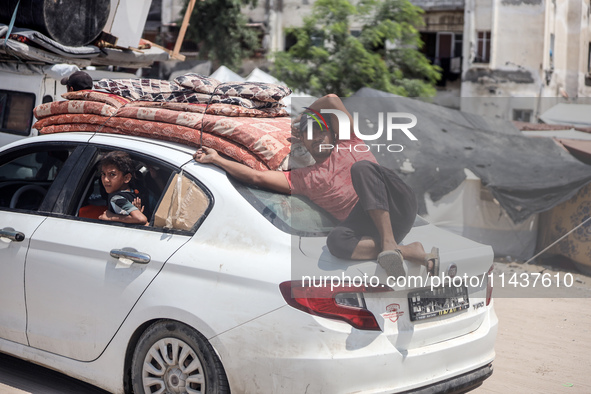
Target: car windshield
(295, 215)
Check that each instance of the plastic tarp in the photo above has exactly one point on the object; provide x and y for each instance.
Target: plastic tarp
(525, 175)
(258, 75)
(571, 114)
(470, 211)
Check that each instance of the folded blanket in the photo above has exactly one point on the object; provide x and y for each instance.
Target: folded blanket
(267, 138)
(214, 109)
(195, 88)
(102, 97)
(169, 133)
(73, 107)
(260, 91)
(50, 45)
(202, 98)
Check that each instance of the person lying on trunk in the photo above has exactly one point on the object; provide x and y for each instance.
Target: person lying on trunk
(376, 209)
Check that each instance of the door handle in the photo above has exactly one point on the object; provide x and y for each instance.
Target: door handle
(131, 256)
(12, 235)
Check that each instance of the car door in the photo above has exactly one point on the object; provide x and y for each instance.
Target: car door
(83, 276)
(30, 177)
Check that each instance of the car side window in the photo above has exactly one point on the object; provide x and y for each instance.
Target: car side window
(148, 182)
(170, 199)
(25, 178)
(184, 203)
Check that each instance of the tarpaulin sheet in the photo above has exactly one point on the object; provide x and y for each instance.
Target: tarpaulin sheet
(525, 175)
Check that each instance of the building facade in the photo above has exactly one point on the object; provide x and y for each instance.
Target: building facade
(521, 56)
(507, 58)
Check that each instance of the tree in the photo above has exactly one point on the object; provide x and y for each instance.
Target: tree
(219, 29)
(327, 58)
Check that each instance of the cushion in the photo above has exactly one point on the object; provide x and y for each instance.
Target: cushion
(198, 83)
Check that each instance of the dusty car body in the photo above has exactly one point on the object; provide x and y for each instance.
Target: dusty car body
(214, 300)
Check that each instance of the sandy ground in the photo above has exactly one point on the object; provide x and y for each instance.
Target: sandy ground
(543, 346)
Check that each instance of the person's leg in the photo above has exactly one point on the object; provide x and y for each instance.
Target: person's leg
(392, 207)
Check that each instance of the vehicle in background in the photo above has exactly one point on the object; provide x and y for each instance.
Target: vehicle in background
(25, 86)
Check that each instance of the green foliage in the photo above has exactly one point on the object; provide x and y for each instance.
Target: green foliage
(219, 28)
(328, 59)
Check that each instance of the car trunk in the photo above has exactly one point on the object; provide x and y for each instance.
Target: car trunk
(391, 308)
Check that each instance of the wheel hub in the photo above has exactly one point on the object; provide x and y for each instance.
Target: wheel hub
(175, 380)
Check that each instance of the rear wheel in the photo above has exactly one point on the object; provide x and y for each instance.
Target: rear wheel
(171, 357)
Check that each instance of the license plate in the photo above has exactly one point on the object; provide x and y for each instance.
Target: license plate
(424, 304)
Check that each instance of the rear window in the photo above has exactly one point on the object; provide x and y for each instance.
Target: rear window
(295, 215)
(16, 112)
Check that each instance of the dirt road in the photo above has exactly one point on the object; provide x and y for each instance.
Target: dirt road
(544, 346)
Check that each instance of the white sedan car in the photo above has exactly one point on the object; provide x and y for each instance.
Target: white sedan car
(228, 289)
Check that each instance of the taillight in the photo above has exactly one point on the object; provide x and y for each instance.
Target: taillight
(489, 285)
(344, 303)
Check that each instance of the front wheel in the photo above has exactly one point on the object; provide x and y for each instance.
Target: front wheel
(171, 358)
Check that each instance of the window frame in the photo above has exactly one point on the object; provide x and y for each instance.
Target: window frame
(73, 193)
(483, 56)
(519, 113)
(50, 200)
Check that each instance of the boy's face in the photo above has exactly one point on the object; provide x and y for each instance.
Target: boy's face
(113, 179)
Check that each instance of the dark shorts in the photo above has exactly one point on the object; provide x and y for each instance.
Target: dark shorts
(378, 188)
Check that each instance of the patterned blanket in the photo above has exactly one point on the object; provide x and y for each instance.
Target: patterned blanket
(195, 88)
(267, 138)
(243, 120)
(172, 133)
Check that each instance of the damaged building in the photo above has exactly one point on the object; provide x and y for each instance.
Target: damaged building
(522, 56)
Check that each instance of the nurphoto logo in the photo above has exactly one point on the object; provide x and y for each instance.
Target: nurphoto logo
(344, 129)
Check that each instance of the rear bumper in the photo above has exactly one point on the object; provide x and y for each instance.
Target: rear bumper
(287, 351)
(458, 384)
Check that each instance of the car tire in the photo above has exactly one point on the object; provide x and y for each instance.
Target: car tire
(177, 359)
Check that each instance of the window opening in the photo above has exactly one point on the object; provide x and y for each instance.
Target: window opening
(25, 180)
(16, 112)
(483, 47)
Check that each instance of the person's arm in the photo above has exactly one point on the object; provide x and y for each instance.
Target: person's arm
(130, 212)
(331, 101)
(134, 217)
(272, 180)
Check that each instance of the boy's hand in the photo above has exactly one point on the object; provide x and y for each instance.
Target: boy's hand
(137, 202)
(205, 155)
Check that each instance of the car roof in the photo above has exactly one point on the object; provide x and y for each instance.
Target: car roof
(88, 136)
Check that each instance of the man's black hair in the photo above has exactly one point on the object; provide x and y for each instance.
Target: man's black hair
(79, 80)
(307, 115)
